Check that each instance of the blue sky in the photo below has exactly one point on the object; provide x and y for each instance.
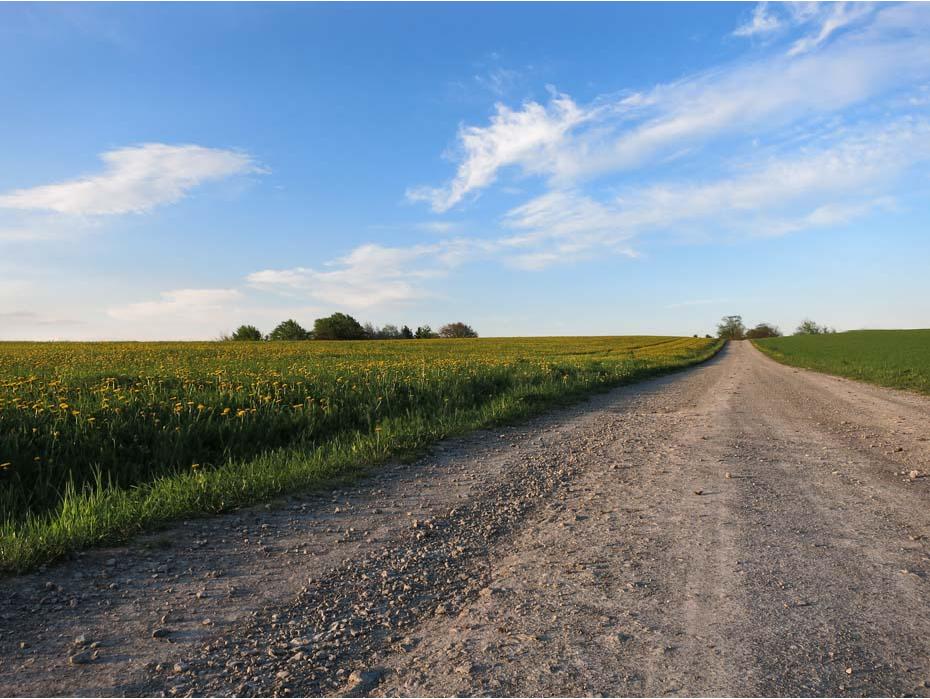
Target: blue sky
(171, 171)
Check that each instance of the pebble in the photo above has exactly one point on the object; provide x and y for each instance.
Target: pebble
(83, 658)
(365, 678)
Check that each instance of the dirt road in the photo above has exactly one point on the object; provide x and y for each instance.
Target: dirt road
(742, 528)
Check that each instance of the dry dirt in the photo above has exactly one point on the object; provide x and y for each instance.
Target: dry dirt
(742, 528)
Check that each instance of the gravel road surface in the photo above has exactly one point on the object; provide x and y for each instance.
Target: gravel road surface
(741, 528)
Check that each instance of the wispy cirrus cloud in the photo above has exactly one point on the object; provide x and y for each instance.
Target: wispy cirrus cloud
(565, 142)
(184, 304)
(761, 22)
(523, 136)
(370, 275)
(827, 18)
(822, 184)
(820, 21)
(135, 179)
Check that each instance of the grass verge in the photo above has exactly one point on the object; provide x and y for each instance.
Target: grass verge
(108, 514)
(894, 358)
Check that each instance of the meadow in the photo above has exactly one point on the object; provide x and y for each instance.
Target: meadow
(894, 358)
(99, 441)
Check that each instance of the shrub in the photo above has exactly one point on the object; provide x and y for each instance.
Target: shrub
(457, 330)
(246, 333)
(289, 330)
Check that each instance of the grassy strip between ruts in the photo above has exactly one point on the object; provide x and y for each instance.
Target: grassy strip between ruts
(893, 358)
(106, 514)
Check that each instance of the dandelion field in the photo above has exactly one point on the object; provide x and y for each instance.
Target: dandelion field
(99, 441)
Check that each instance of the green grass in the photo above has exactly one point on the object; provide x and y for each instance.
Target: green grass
(894, 358)
(100, 441)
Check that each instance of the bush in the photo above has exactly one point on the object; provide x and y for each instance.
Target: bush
(763, 330)
(289, 330)
(457, 330)
(246, 333)
(338, 326)
(809, 327)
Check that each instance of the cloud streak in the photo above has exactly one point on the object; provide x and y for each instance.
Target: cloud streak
(184, 304)
(761, 22)
(134, 180)
(819, 186)
(566, 143)
(525, 136)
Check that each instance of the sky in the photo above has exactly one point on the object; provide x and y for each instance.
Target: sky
(170, 171)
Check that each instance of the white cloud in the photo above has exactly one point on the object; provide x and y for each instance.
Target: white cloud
(762, 22)
(831, 17)
(180, 304)
(135, 180)
(371, 275)
(525, 136)
(819, 186)
(375, 276)
(566, 143)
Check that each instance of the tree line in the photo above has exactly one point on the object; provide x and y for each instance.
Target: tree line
(733, 328)
(340, 326)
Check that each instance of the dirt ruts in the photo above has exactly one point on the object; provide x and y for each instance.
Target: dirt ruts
(741, 528)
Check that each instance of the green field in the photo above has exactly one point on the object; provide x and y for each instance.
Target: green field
(101, 440)
(895, 358)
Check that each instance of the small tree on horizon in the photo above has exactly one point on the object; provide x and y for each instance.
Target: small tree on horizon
(289, 330)
(809, 327)
(731, 328)
(406, 333)
(389, 332)
(763, 330)
(338, 326)
(425, 332)
(246, 333)
(457, 330)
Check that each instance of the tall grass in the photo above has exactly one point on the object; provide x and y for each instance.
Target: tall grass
(101, 441)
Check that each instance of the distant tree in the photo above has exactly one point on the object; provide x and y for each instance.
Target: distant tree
(425, 332)
(763, 330)
(809, 327)
(338, 326)
(457, 330)
(389, 332)
(289, 330)
(731, 328)
(406, 333)
(371, 332)
(246, 333)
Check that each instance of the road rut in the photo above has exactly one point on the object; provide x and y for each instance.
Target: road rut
(741, 528)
